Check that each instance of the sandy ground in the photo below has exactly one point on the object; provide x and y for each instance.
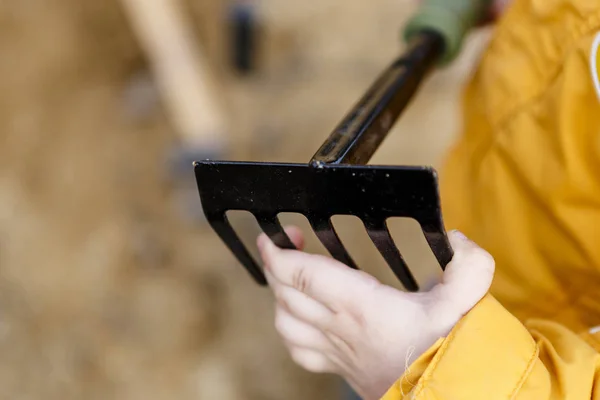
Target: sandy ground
(107, 289)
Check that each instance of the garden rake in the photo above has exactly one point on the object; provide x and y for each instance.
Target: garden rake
(337, 180)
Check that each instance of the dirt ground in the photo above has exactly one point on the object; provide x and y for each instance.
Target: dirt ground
(107, 290)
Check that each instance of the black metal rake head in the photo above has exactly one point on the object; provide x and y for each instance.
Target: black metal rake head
(336, 181)
(372, 193)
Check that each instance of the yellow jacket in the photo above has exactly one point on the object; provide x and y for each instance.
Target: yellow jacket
(524, 183)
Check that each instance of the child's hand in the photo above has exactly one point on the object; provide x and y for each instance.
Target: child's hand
(336, 319)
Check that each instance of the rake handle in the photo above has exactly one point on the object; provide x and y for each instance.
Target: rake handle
(359, 134)
(434, 37)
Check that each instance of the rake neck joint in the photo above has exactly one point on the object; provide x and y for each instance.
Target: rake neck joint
(363, 129)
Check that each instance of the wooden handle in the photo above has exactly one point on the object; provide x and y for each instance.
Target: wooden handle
(179, 68)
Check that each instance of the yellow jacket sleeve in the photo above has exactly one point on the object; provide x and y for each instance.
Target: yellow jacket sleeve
(523, 182)
(490, 355)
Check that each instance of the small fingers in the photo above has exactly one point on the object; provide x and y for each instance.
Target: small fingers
(296, 236)
(293, 232)
(300, 305)
(321, 278)
(312, 361)
(298, 333)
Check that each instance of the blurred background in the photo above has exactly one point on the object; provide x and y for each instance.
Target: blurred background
(112, 286)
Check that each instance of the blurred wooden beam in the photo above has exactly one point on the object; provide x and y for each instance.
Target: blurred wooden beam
(180, 69)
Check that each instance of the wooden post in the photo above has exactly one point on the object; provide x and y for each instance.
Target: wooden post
(180, 70)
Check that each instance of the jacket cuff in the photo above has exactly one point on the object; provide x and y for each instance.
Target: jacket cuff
(487, 355)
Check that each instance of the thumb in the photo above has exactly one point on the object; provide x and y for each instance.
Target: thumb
(467, 277)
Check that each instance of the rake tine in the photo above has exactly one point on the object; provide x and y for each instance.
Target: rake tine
(438, 242)
(380, 235)
(328, 236)
(223, 228)
(270, 224)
